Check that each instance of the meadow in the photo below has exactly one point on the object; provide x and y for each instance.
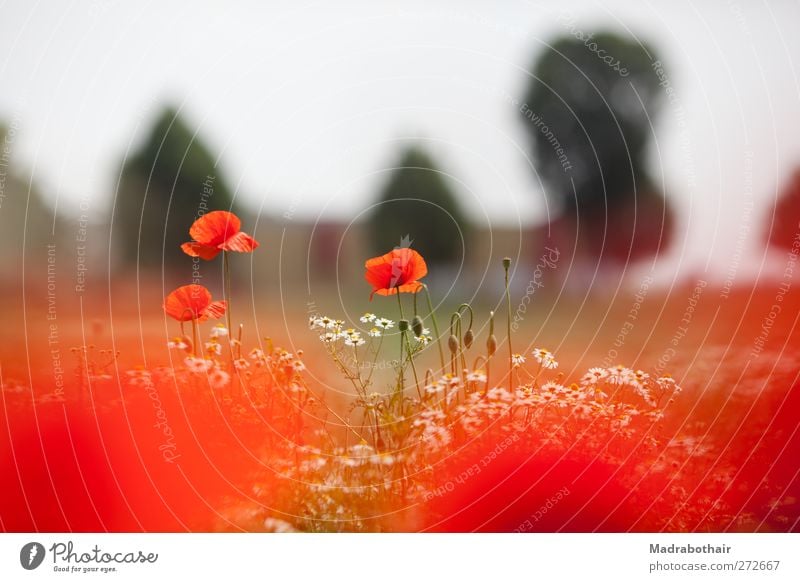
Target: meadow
(152, 409)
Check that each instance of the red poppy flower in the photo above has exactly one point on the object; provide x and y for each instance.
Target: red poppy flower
(397, 271)
(218, 231)
(193, 302)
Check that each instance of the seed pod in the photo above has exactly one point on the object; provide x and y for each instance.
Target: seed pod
(416, 325)
(452, 343)
(506, 263)
(402, 325)
(469, 337)
(491, 345)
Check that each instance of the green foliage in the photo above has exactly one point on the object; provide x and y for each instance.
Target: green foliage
(597, 96)
(164, 187)
(417, 203)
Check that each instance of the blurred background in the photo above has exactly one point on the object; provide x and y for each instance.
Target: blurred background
(639, 162)
(631, 145)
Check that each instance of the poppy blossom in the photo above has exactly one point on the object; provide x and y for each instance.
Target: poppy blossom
(218, 231)
(193, 302)
(398, 271)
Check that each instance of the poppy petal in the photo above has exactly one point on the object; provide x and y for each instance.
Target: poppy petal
(215, 309)
(187, 302)
(240, 243)
(205, 252)
(215, 227)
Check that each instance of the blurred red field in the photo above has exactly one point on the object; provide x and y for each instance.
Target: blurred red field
(97, 458)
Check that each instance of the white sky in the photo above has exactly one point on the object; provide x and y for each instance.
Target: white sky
(307, 102)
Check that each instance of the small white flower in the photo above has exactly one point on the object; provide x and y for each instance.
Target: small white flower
(198, 365)
(241, 364)
(545, 358)
(256, 354)
(213, 347)
(177, 344)
(384, 323)
(594, 375)
(517, 360)
(354, 339)
(298, 366)
(477, 376)
(329, 337)
(219, 330)
(368, 318)
(218, 379)
(374, 332)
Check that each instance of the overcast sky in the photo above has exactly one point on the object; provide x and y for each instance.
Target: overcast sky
(307, 104)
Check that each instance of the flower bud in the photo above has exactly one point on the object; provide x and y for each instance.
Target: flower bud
(506, 262)
(402, 325)
(452, 343)
(469, 337)
(416, 325)
(491, 345)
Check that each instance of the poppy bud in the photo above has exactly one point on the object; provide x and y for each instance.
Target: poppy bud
(452, 343)
(491, 345)
(416, 325)
(506, 263)
(469, 337)
(402, 325)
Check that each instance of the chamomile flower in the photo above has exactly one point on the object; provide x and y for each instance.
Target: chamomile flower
(329, 337)
(517, 360)
(218, 379)
(368, 318)
(477, 376)
(219, 330)
(545, 358)
(425, 337)
(298, 366)
(374, 332)
(198, 365)
(354, 339)
(241, 364)
(213, 347)
(177, 343)
(594, 375)
(384, 323)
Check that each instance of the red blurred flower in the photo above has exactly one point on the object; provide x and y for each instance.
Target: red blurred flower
(218, 231)
(397, 271)
(193, 302)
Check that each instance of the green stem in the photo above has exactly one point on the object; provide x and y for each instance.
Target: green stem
(401, 385)
(435, 325)
(506, 265)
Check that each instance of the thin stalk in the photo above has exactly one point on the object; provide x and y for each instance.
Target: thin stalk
(506, 265)
(435, 325)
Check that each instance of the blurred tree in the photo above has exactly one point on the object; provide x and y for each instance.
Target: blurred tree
(784, 222)
(588, 111)
(418, 204)
(168, 183)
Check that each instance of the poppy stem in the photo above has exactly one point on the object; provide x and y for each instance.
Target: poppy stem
(226, 283)
(506, 265)
(402, 335)
(435, 325)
